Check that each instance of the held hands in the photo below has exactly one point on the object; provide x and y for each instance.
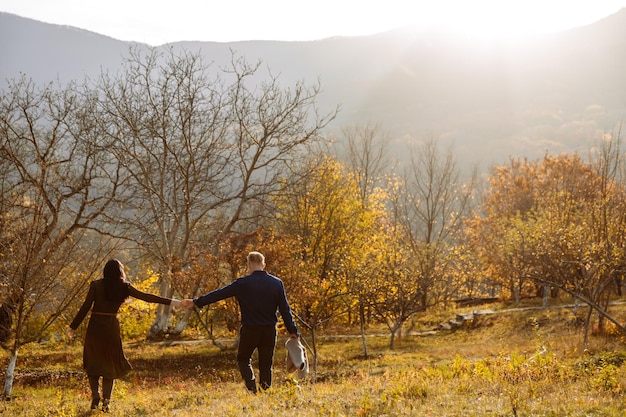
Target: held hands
(70, 333)
(186, 303)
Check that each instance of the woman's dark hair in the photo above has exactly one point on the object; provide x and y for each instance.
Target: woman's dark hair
(116, 286)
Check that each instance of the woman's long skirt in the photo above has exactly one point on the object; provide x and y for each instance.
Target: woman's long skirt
(103, 354)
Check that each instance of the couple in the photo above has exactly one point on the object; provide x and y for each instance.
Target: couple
(259, 295)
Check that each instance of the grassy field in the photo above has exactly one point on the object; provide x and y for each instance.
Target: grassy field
(522, 363)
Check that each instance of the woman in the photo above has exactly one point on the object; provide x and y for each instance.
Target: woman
(103, 355)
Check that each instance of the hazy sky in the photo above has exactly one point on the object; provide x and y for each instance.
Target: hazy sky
(156, 22)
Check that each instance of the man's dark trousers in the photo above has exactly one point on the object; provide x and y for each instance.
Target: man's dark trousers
(262, 338)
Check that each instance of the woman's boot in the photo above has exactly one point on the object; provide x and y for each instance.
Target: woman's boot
(95, 400)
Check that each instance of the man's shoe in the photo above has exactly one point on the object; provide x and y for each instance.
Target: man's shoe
(105, 405)
(251, 386)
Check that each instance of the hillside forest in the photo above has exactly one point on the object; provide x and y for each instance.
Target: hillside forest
(179, 169)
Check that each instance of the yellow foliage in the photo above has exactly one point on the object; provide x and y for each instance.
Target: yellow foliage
(136, 316)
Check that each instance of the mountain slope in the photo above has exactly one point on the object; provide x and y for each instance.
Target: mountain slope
(554, 93)
(46, 52)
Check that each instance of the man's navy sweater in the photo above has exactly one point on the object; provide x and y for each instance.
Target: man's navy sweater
(259, 295)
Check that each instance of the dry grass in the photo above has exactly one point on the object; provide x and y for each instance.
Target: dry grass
(511, 364)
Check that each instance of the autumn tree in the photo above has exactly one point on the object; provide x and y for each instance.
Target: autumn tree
(569, 232)
(365, 153)
(323, 212)
(509, 196)
(207, 272)
(392, 290)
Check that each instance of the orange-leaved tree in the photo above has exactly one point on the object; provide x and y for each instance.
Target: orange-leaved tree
(558, 223)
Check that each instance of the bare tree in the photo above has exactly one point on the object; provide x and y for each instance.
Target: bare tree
(438, 198)
(56, 181)
(367, 156)
(430, 206)
(167, 127)
(202, 154)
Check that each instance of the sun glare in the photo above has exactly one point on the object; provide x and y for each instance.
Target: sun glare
(497, 19)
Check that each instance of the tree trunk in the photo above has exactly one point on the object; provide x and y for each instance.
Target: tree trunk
(161, 323)
(587, 327)
(362, 319)
(618, 286)
(163, 318)
(516, 295)
(394, 329)
(314, 347)
(8, 378)
(182, 323)
(601, 324)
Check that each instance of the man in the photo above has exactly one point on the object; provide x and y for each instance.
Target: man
(259, 295)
